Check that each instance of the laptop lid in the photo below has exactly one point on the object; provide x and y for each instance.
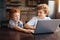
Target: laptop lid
(47, 26)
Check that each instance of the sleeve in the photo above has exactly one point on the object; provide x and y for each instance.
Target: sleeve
(31, 22)
(11, 23)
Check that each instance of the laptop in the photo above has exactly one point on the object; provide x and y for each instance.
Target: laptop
(46, 26)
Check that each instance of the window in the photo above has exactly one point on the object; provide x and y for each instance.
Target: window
(51, 6)
(59, 6)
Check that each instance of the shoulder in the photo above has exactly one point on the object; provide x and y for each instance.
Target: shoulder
(32, 21)
(11, 21)
(34, 17)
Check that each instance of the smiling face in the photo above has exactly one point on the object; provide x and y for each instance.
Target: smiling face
(41, 14)
(44, 7)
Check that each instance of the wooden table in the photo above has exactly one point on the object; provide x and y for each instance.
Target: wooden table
(8, 34)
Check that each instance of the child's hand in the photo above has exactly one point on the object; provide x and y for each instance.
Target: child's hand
(32, 31)
(29, 31)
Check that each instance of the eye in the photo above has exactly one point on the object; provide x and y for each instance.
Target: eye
(40, 12)
(44, 7)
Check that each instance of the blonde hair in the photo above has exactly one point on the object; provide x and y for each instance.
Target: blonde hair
(44, 7)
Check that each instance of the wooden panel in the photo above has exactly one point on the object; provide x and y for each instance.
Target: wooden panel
(8, 34)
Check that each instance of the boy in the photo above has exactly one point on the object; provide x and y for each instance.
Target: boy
(15, 22)
(42, 12)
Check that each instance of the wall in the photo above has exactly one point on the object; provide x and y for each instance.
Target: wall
(57, 14)
(2, 10)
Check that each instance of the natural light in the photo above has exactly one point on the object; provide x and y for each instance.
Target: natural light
(59, 6)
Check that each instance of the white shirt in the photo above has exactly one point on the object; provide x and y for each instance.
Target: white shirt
(33, 21)
(12, 23)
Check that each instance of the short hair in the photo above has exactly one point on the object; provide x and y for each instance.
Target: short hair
(44, 7)
(13, 11)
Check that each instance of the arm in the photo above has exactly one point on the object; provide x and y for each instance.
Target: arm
(18, 28)
(24, 30)
(31, 24)
(29, 27)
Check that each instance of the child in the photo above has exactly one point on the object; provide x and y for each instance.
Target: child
(15, 22)
(42, 12)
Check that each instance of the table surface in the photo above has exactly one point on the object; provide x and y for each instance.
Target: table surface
(8, 34)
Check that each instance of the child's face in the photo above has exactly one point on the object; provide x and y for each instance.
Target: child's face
(16, 17)
(41, 14)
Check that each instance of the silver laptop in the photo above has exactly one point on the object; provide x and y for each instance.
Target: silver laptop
(47, 26)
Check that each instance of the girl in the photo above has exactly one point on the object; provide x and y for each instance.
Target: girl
(15, 22)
